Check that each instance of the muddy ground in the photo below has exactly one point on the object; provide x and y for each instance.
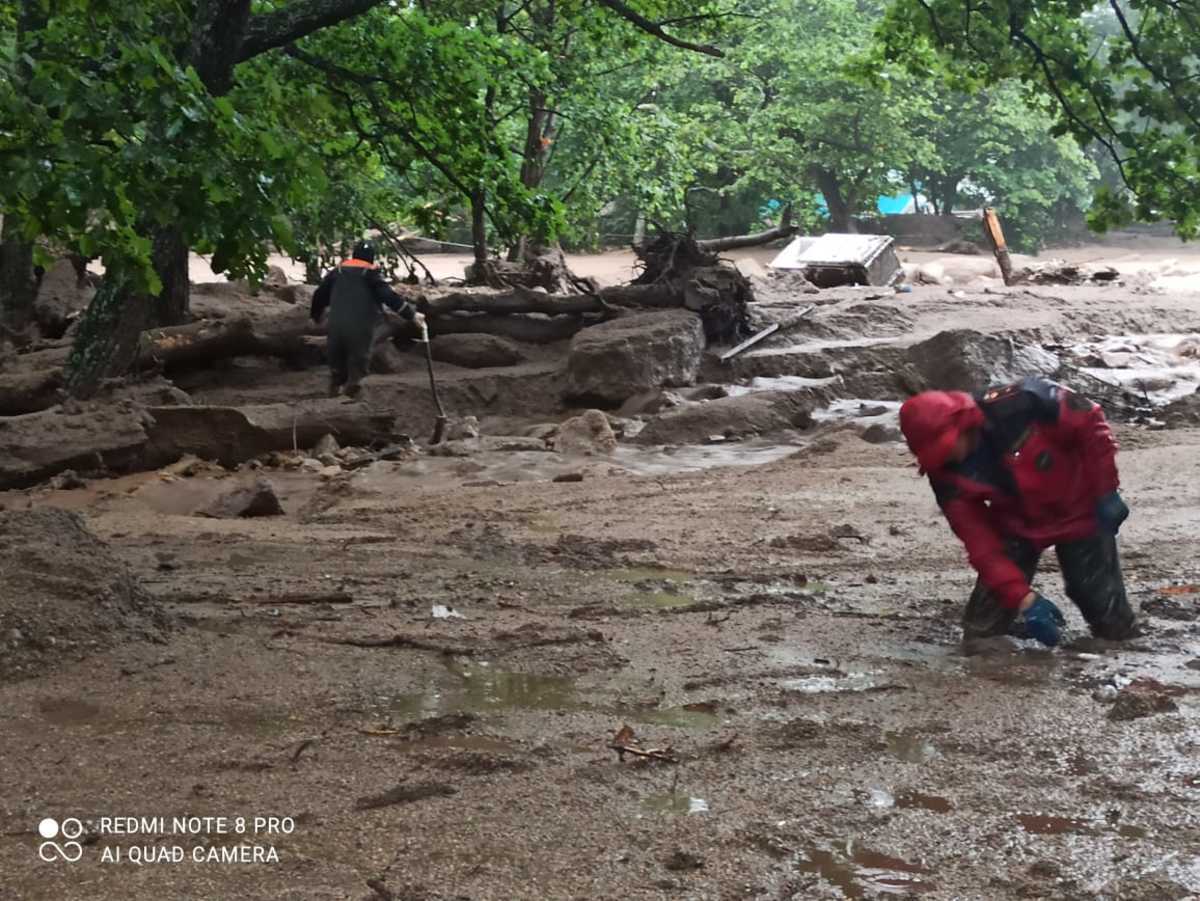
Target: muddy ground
(778, 617)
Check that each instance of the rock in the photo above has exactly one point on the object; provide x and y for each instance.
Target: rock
(258, 499)
(275, 279)
(476, 351)
(757, 413)
(965, 360)
(1105, 694)
(388, 359)
(330, 472)
(300, 295)
(61, 297)
(326, 445)
(1183, 412)
(308, 464)
(881, 434)
(462, 428)
(544, 431)
(706, 392)
(586, 434)
(650, 402)
(568, 477)
(611, 362)
(1132, 705)
(329, 459)
(67, 480)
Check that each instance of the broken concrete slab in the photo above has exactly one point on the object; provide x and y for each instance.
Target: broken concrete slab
(611, 362)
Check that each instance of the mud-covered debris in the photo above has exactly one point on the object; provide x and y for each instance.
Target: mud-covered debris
(1176, 607)
(1132, 705)
(746, 415)
(568, 477)
(680, 861)
(626, 742)
(67, 480)
(254, 500)
(1058, 272)
(406, 794)
(845, 530)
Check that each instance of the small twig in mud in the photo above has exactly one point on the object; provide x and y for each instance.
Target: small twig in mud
(302, 747)
(675, 781)
(624, 743)
(715, 621)
(749, 647)
(403, 641)
(381, 732)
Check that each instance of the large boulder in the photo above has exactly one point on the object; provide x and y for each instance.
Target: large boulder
(476, 351)
(613, 361)
(756, 413)
(61, 297)
(966, 360)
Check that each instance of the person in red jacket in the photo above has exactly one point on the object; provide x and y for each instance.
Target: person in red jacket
(1016, 470)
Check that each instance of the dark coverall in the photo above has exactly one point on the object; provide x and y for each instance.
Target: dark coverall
(354, 293)
(1045, 455)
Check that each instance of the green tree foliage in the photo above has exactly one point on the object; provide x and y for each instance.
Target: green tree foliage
(1124, 75)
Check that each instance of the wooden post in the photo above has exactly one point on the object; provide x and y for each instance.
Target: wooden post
(991, 227)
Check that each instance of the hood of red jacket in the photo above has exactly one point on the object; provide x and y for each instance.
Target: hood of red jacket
(933, 420)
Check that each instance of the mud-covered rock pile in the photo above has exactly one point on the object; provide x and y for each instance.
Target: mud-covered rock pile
(65, 594)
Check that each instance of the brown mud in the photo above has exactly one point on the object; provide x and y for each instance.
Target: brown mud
(778, 617)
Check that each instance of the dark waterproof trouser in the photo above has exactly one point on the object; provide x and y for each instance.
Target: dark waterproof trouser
(1091, 571)
(349, 354)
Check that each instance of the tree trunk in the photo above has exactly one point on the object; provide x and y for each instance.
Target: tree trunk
(839, 210)
(171, 264)
(479, 229)
(18, 285)
(107, 342)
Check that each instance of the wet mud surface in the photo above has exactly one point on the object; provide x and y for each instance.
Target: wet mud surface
(779, 619)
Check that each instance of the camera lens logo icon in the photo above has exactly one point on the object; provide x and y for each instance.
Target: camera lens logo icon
(70, 850)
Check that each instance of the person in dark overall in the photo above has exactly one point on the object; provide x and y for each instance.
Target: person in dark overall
(355, 293)
(1015, 470)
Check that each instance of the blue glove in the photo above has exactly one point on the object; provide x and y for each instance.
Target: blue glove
(1043, 620)
(1111, 512)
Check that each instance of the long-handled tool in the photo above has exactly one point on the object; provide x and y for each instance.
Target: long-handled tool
(439, 427)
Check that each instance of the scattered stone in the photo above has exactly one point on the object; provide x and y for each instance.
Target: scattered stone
(254, 500)
(308, 464)
(1132, 705)
(476, 351)
(1105, 694)
(587, 434)
(881, 434)
(611, 362)
(330, 472)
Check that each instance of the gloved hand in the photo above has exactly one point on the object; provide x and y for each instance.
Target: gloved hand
(1043, 620)
(1111, 512)
(418, 320)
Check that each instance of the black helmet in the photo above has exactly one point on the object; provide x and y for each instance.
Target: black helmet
(365, 251)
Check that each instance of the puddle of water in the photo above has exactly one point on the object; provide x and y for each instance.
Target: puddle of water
(861, 870)
(1040, 824)
(910, 747)
(675, 803)
(812, 685)
(68, 711)
(916, 800)
(481, 689)
(679, 716)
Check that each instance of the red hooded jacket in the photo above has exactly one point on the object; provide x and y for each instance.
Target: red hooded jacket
(1045, 456)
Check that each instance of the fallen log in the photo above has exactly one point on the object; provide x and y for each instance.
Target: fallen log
(519, 327)
(28, 392)
(735, 242)
(517, 300)
(198, 343)
(231, 435)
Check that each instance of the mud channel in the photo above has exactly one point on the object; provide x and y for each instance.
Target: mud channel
(775, 619)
